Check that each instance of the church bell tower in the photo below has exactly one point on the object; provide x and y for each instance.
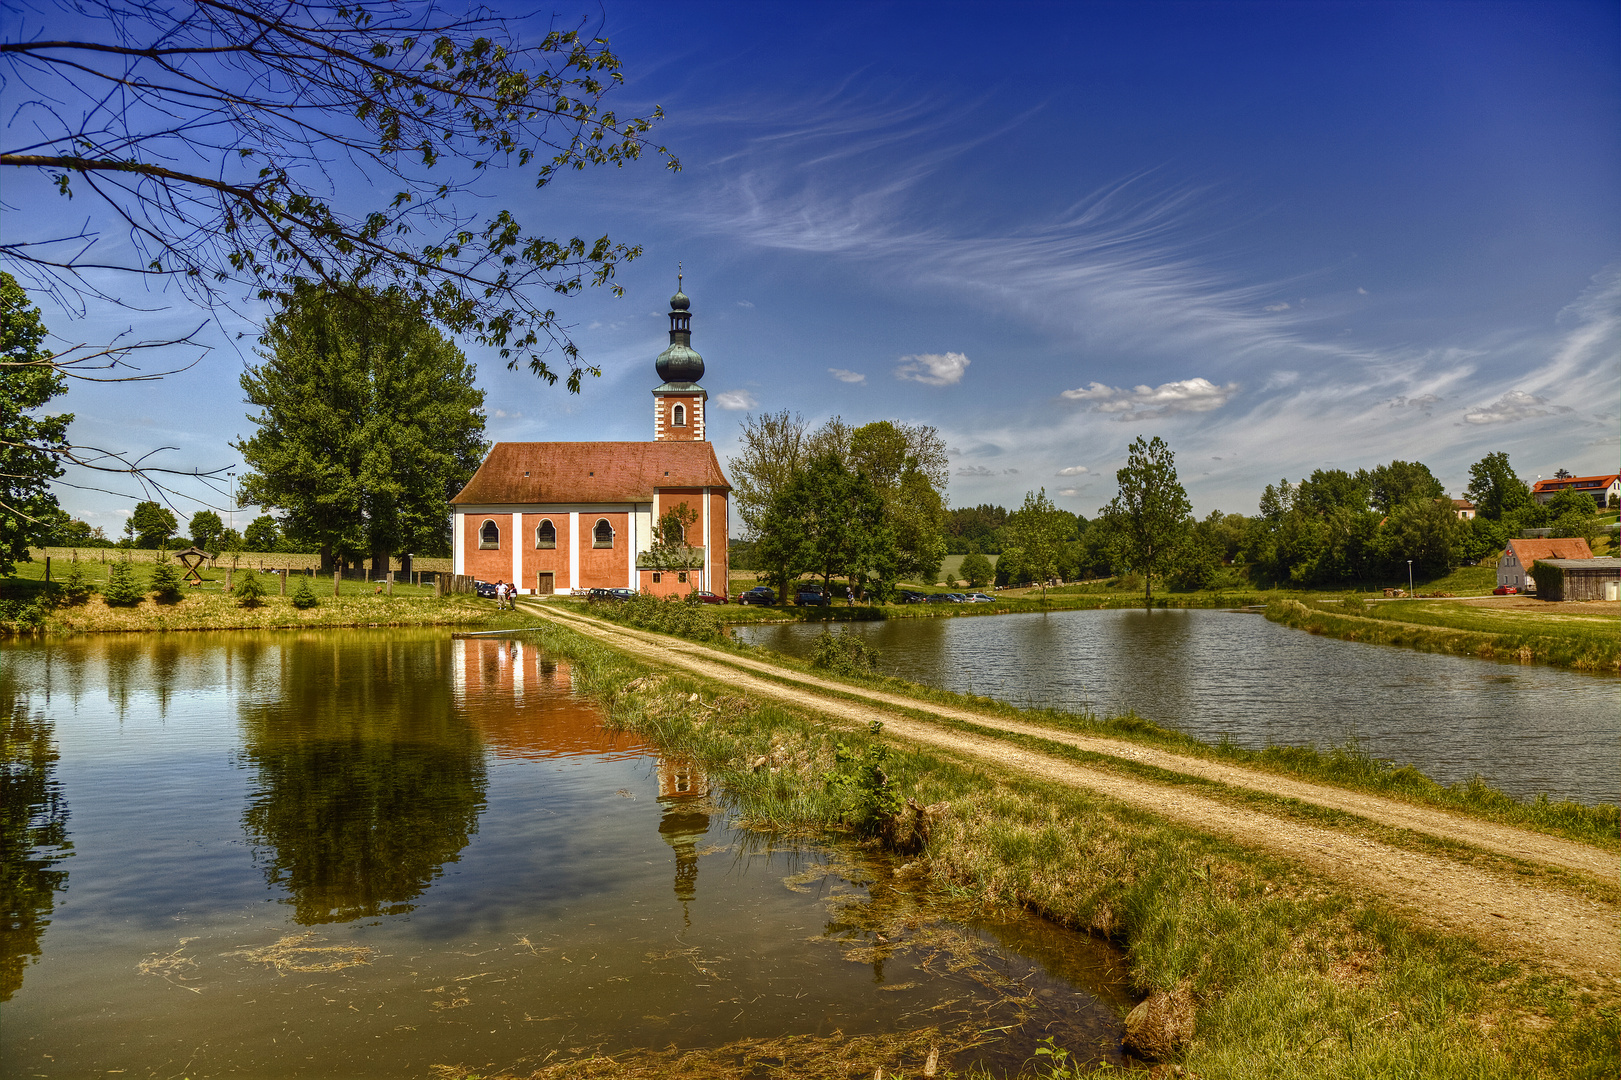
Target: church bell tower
(678, 405)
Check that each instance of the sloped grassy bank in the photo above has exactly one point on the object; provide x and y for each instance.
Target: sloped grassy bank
(1290, 975)
(1567, 644)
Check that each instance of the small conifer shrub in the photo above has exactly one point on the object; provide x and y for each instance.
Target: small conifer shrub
(303, 598)
(122, 588)
(76, 587)
(250, 591)
(166, 582)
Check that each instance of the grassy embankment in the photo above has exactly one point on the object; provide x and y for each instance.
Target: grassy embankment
(1585, 637)
(1086, 596)
(1292, 975)
(209, 607)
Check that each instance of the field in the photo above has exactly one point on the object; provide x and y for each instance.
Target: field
(264, 560)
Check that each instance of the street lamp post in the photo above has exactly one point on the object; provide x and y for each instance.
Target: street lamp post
(1409, 577)
(230, 511)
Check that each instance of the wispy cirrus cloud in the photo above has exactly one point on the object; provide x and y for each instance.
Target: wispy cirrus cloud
(844, 375)
(1195, 395)
(1074, 470)
(737, 400)
(933, 369)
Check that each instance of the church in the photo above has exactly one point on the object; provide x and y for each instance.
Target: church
(564, 517)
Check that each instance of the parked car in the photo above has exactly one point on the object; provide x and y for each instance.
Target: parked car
(943, 598)
(1505, 590)
(810, 595)
(758, 595)
(486, 589)
(706, 597)
(910, 596)
(599, 595)
(977, 598)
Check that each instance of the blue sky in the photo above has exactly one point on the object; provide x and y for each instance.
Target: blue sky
(1283, 237)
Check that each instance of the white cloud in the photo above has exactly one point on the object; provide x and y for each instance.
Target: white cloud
(737, 400)
(1143, 402)
(745, 303)
(1284, 306)
(502, 414)
(1074, 470)
(846, 376)
(1069, 492)
(1360, 291)
(933, 369)
(1280, 379)
(1512, 406)
(976, 470)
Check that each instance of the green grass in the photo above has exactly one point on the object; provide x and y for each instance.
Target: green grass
(208, 607)
(1295, 976)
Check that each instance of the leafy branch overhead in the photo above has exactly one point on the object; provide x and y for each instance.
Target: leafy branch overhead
(250, 148)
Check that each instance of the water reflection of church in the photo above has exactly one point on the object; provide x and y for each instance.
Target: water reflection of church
(519, 700)
(684, 794)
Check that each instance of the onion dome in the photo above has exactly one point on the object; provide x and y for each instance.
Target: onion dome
(680, 365)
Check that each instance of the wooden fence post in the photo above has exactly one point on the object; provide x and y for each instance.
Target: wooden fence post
(337, 575)
(391, 583)
(283, 575)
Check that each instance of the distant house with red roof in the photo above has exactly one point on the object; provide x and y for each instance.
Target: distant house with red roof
(565, 517)
(1464, 509)
(1517, 557)
(1601, 488)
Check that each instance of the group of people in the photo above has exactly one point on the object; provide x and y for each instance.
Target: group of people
(505, 595)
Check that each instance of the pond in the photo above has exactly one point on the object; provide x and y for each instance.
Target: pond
(370, 853)
(1528, 730)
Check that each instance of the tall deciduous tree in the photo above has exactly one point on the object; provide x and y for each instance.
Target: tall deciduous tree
(1035, 535)
(771, 450)
(839, 516)
(151, 524)
(206, 529)
(907, 463)
(1495, 489)
(30, 445)
(368, 423)
(1150, 517)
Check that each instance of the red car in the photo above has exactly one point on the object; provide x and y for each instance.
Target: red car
(1505, 590)
(710, 598)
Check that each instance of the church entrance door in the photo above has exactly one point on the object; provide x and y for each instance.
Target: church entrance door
(544, 585)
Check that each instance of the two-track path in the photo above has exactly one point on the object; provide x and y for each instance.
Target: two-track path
(1561, 927)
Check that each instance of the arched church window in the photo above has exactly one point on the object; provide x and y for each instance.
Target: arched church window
(678, 416)
(489, 535)
(603, 535)
(546, 535)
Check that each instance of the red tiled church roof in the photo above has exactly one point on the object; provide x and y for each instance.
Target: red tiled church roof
(590, 472)
(1529, 551)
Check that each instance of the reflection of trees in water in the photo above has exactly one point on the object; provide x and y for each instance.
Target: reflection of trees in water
(33, 836)
(369, 781)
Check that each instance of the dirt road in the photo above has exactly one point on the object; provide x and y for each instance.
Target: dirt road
(1568, 931)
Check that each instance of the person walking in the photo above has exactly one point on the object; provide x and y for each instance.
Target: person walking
(500, 594)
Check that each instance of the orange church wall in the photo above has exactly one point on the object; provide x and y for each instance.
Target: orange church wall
(494, 564)
(604, 568)
(552, 561)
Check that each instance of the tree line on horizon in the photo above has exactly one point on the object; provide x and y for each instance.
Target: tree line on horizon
(1333, 528)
